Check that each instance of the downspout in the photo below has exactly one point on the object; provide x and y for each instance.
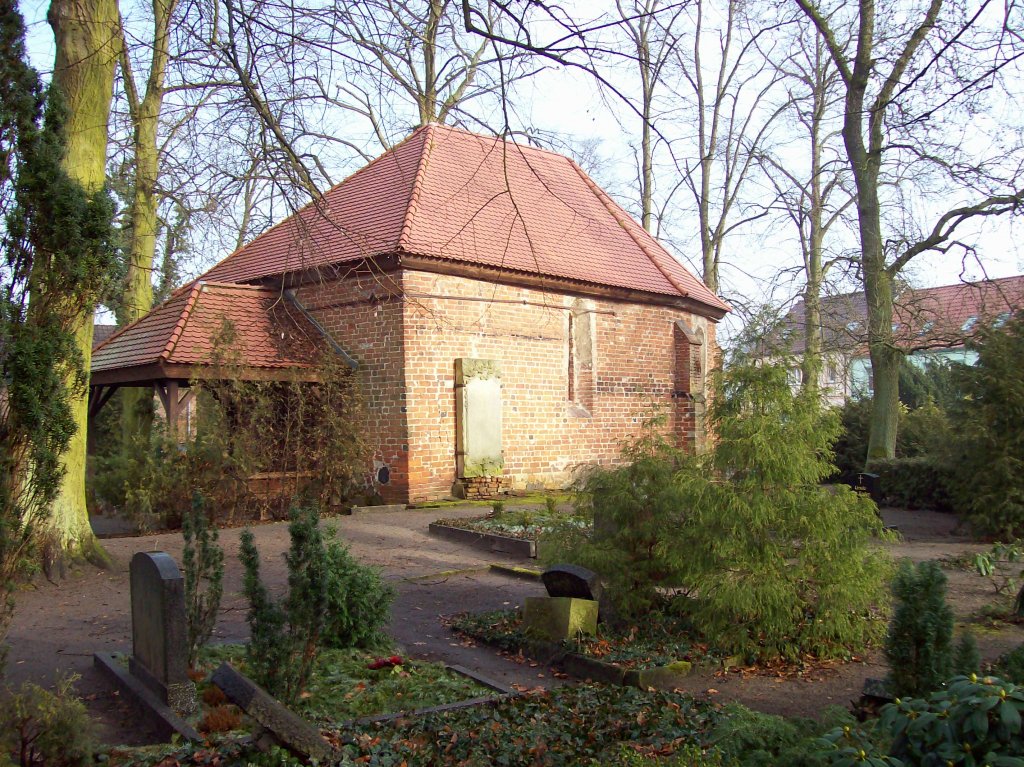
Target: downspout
(290, 295)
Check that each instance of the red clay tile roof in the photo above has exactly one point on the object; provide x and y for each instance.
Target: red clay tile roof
(945, 316)
(101, 332)
(269, 331)
(924, 318)
(447, 194)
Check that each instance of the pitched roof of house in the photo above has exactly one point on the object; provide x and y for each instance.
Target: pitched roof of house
(101, 332)
(923, 318)
(268, 333)
(455, 196)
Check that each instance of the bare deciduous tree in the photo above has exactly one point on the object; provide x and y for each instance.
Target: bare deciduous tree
(810, 177)
(906, 68)
(732, 80)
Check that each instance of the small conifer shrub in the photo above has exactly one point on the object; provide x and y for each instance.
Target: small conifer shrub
(285, 636)
(203, 563)
(919, 645)
(966, 657)
(47, 729)
(358, 601)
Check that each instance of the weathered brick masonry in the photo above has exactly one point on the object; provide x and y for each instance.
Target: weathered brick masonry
(451, 246)
(570, 394)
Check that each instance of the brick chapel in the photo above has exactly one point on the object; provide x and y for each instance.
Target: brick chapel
(508, 322)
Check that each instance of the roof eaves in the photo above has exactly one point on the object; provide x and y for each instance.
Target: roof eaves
(417, 186)
(179, 326)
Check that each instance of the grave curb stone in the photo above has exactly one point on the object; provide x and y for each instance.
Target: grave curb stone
(525, 573)
(660, 677)
(491, 542)
(286, 727)
(164, 720)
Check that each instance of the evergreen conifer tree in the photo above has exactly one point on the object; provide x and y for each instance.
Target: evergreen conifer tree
(56, 253)
(782, 565)
(919, 645)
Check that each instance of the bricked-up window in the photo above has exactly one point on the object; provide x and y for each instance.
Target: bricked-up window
(581, 354)
(690, 349)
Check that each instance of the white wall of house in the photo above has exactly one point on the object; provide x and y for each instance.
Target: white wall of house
(860, 367)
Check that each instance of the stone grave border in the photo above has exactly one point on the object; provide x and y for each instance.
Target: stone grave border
(288, 729)
(512, 571)
(583, 667)
(524, 548)
(166, 723)
(503, 693)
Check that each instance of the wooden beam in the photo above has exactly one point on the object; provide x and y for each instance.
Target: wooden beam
(98, 397)
(173, 408)
(161, 390)
(148, 375)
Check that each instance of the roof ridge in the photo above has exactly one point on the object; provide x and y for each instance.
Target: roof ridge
(179, 326)
(417, 186)
(236, 285)
(612, 207)
(509, 138)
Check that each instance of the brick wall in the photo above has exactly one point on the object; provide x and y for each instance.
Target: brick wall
(579, 374)
(363, 314)
(619, 357)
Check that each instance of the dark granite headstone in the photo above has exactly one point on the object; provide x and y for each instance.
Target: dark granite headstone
(565, 580)
(159, 633)
(868, 483)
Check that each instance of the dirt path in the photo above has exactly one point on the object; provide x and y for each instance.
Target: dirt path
(56, 628)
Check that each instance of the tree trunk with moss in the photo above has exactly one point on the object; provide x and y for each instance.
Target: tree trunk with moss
(865, 142)
(85, 33)
(137, 298)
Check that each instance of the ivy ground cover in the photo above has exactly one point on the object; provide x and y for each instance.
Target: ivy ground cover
(583, 725)
(663, 639)
(345, 685)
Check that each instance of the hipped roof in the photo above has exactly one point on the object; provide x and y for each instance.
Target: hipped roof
(448, 195)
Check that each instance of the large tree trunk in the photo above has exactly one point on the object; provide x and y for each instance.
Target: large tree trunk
(85, 32)
(865, 162)
(137, 300)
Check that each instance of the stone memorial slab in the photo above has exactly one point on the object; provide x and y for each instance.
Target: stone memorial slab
(567, 580)
(285, 727)
(159, 633)
(478, 448)
(558, 618)
(869, 483)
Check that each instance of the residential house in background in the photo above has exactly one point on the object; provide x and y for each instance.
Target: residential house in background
(507, 320)
(929, 324)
